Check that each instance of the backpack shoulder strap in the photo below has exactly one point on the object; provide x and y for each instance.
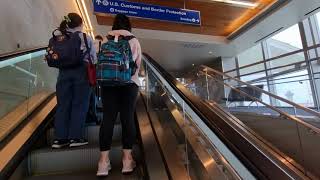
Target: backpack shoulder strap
(127, 38)
(87, 46)
(110, 38)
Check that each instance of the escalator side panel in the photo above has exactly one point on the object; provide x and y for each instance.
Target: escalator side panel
(154, 164)
(169, 144)
(250, 158)
(17, 149)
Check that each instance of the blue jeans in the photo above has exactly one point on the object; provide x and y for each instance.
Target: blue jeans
(73, 93)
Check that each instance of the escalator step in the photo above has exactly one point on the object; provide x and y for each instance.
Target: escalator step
(114, 174)
(48, 161)
(91, 134)
(82, 159)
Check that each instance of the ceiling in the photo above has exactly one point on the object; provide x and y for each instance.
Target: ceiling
(177, 56)
(217, 18)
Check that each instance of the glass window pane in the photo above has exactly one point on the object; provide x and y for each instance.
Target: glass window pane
(317, 29)
(288, 63)
(318, 21)
(301, 93)
(250, 56)
(228, 64)
(286, 41)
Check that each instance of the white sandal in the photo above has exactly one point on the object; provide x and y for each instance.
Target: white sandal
(128, 166)
(103, 169)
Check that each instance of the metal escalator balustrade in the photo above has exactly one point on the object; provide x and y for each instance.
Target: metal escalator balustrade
(293, 132)
(186, 152)
(247, 155)
(26, 81)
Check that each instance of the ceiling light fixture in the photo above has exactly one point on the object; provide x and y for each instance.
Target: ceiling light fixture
(83, 10)
(238, 3)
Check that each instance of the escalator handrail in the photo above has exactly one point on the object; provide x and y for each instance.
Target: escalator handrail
(298, 106)
(284, 114)
(260, 164)
(6, 56)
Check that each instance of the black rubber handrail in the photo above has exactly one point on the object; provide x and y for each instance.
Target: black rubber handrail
(10, 55)
(259, 164)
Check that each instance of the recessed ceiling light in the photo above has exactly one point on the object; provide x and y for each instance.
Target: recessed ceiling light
(210, 52)
(238, 3)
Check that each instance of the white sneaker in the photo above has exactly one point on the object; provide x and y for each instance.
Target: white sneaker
(128, 166)
(103, 169)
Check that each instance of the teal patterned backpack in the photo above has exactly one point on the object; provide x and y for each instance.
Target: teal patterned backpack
(115, 62)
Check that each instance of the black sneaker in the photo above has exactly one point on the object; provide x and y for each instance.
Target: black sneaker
(78, 142)
(59, 143)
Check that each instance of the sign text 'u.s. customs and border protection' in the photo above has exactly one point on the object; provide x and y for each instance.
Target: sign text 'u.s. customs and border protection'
(147, 11)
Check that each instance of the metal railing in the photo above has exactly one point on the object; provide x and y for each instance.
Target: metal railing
(206, 70)
(278, 57)
(7, 56)
(215, 120)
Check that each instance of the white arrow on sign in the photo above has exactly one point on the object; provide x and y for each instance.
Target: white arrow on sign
(98, 2)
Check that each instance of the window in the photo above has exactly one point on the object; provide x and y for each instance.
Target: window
(285, 42)
(315, 53)
(317, 29)
(288, 76)
(228, 64)
(318, 21)
(301, 93)
(250, 56)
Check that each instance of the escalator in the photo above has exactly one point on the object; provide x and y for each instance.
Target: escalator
(179, 136)
(291, 130)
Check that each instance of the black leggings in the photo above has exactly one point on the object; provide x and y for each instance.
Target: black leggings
(118, 99)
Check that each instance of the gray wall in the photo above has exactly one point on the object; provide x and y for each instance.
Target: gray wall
(30, 22)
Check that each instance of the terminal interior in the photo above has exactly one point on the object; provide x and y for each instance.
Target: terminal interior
(235, 95)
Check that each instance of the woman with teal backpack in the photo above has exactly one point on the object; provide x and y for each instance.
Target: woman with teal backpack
(117, 74)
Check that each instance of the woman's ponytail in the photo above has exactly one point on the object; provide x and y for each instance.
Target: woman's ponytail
(63, 26)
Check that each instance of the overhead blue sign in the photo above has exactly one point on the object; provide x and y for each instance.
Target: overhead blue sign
(147, 11)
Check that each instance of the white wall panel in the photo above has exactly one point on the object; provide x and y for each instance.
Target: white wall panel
(30, 22)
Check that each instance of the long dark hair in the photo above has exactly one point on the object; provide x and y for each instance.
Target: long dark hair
(72, 20)
(121, 22)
